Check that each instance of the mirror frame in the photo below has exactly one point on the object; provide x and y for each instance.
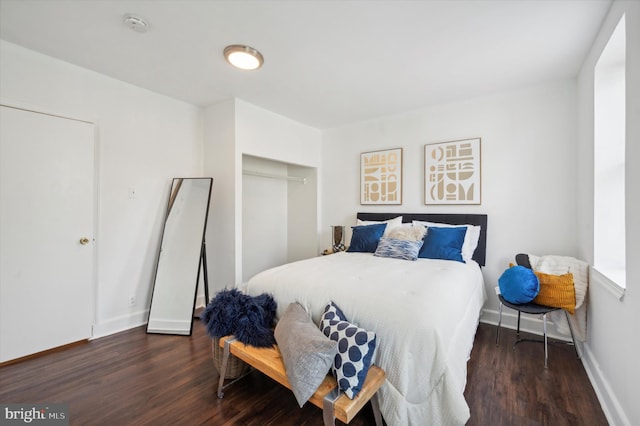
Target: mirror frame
(202, 265)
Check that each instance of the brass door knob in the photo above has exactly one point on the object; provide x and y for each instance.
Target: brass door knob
(84, 241)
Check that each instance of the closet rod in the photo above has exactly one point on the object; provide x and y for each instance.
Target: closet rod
(272, 176)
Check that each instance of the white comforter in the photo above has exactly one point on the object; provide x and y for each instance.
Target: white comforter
(424, 313)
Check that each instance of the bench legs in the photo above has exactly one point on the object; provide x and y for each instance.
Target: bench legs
(328, 408)
(223, 369)
(377, 415)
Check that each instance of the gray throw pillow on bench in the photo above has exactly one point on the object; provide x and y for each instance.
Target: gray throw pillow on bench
(307, 354)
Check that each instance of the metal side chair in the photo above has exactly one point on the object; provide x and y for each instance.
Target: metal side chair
(534, 309)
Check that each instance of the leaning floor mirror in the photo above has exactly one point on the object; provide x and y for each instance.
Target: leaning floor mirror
(182, 257)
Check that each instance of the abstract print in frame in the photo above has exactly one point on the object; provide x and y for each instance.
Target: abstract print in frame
(452, 172)
(381, 177)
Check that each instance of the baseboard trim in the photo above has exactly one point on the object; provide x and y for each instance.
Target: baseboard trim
(43, 353)
(200, 301)
(121, 323)
(528, 323)
(610, 405)
(170, 326)
(126, 322)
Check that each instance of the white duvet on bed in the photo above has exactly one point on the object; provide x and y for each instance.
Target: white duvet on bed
(425, 314)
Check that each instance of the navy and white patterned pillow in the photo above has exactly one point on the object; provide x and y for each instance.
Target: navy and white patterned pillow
(331, 313)
(356, 347)
(398, 249)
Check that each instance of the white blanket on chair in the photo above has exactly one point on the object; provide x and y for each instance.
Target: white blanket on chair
(559, 265)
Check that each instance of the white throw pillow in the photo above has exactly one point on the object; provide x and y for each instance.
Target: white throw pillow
(408, 232)
(391, 223)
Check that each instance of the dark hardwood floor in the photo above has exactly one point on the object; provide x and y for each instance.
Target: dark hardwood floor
(133, 378)
(512, 387)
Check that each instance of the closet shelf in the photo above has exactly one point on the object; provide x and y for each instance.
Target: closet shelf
(274, 176)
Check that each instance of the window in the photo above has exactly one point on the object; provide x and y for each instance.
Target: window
(609, 159)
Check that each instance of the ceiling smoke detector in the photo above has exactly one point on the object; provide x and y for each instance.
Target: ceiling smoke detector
(136, 23)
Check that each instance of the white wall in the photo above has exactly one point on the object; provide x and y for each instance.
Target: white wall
(235, 128)
(224, 249)
(144, 139)
(529, 188)
(612, 348)
(302, 211)
(264, 216)
(261, 133)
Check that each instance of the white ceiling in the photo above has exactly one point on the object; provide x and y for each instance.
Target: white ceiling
(327, 63)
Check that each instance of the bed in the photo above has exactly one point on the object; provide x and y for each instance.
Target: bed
(425, 314)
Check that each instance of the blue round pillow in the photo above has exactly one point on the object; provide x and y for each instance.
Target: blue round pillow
(519, 285)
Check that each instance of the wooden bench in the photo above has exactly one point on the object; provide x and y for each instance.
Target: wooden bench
(334, 404)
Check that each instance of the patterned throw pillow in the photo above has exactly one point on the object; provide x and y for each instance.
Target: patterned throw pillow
(356, 347)
(398, 249)
(331, 313)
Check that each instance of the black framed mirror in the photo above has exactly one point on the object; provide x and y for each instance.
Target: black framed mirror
(182, 257)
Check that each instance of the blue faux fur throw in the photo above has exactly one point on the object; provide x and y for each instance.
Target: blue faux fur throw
(249, 318)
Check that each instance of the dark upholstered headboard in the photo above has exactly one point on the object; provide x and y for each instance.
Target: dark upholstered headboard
(454, 219)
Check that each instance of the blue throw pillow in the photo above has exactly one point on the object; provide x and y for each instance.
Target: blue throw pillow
(443, 243)
(364, 239)
(519, 285)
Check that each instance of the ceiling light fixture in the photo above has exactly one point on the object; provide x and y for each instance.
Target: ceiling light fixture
(136, 23)
(243, 57)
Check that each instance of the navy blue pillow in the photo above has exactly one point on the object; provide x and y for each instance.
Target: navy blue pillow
(519, 285)
(364, 239)
(443, 243)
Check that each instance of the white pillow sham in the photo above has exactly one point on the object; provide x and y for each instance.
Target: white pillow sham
(391, 223)
(471, 237)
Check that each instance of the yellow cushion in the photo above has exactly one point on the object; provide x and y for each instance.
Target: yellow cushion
(556, 291)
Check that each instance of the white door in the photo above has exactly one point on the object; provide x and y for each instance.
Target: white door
(46, 209)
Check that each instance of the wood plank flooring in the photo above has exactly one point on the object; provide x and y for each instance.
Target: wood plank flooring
(132, 378)
(507, 386)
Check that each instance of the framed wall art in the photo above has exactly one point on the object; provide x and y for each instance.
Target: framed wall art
(452, 172)
(381, 177)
